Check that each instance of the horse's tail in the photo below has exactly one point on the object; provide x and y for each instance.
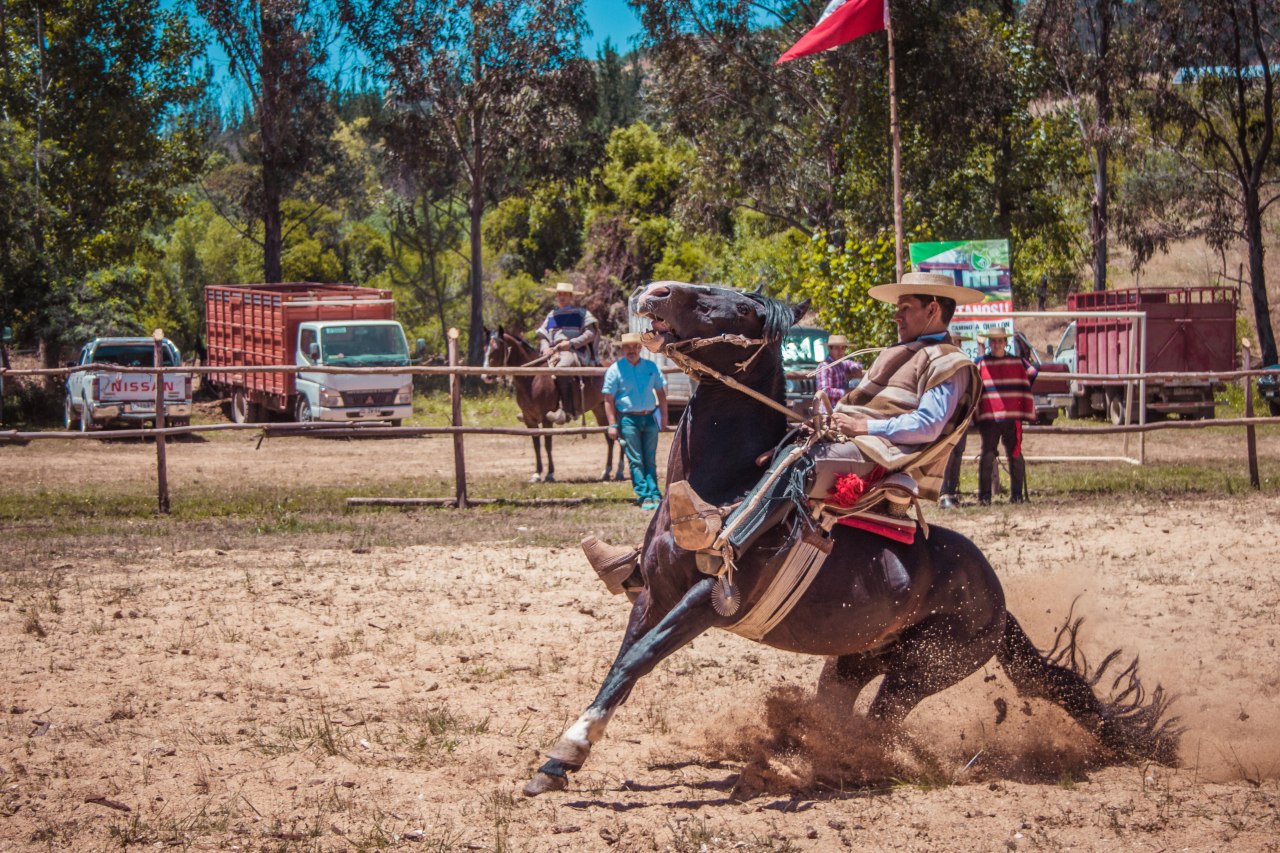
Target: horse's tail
(1127, 721)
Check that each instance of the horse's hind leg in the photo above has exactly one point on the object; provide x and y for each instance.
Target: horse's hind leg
(843, 678)
(537, 456)
(551, 465)
(689, 618)
(930, 657)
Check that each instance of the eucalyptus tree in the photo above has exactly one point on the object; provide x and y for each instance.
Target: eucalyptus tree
(97, 130)
(490, 86)
(1214, 107)
(1099, 55)
(279, 53)
(807, 143)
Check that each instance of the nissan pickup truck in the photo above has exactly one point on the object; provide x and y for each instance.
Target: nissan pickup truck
(102, 396)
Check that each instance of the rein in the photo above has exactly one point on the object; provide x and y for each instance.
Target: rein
(692, 366)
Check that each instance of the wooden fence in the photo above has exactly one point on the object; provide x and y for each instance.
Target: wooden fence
(456, 371)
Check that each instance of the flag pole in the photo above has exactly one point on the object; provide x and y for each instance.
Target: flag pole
(897, 147)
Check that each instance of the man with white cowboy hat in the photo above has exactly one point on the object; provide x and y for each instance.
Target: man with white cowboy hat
(567, 338)
(914, 403)
(1006, 402)
(836, 372)
(635, 399)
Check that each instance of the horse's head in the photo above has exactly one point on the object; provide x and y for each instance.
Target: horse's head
(496, 352)
(686, 312)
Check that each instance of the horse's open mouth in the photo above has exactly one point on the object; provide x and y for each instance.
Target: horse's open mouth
(660, 333)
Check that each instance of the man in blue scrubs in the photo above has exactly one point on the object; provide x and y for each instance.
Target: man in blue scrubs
(635, 399)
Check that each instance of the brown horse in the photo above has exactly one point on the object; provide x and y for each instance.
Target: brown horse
(537, 396)
(923, 615)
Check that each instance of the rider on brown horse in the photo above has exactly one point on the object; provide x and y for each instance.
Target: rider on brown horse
(567, 338)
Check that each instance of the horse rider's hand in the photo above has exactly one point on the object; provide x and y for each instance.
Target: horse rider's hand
(561, 346)
(850, 424)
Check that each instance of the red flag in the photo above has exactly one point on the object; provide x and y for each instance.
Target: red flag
(842, 21)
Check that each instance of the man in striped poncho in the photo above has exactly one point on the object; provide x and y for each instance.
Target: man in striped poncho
(1006, 402)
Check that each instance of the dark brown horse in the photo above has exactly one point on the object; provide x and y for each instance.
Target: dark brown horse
(537, 395)
(924, 615)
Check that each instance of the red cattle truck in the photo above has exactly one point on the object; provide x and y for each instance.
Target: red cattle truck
(308, 324)
(1189, 330)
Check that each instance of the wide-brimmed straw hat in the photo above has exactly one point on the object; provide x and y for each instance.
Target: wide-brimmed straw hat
(926, 284)
(994, 335)
(563, 287)
(630, 338)
(837, 341)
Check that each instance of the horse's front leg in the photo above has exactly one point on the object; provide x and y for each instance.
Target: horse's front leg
(551, 465)
(689, 618)
(537, 456)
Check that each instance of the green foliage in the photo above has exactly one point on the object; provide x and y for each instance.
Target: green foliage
(837, 279)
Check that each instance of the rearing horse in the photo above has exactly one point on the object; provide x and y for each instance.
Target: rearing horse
(537, 395)
(924, 615)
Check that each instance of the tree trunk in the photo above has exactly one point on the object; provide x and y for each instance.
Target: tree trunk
(1258, 280)
(475, 205)
(1098, 218)
(1102, 147)
(272, 242)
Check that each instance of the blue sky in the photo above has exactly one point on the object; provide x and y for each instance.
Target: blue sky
(612, 19)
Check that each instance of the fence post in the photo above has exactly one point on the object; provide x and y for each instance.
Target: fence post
(1250, 435)
(162, 468)
(455, 399)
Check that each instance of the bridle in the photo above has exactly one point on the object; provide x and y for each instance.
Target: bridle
(694, 368)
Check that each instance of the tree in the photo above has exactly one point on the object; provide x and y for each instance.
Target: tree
(278, 50)
(1215, 104)
(99, 128)
(1098, 54)
(492, 85)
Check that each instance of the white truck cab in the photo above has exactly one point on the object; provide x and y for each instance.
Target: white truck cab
(351, 396)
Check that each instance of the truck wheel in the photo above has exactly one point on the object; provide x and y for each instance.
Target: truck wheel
(1046, 418)
(68, 413)
(86, 419)
(1115, 409)
(302, 412)
(1274, 406)
(395, 422)
(242, 411)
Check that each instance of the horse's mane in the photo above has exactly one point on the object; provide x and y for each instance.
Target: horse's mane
(779, 317)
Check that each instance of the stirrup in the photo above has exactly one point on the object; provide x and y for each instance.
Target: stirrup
(694, 522)
(613, 563)
(557, 417)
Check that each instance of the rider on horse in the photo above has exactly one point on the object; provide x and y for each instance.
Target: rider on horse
(908, 411)
(567, 338)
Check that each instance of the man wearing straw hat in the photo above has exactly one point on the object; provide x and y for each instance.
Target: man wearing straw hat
(1006, 402)
(635, 399)
(567, 338)
(836, 371)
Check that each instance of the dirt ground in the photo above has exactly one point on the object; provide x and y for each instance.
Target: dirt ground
(211, 691)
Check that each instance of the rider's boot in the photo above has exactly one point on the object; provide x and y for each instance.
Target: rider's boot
(558, 416)
(613, 563)
(1017, 479)
(567, 386)
(694, 522)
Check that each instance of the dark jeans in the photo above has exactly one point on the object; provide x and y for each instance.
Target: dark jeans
(639, 434)
(951, 476)
(995, 433)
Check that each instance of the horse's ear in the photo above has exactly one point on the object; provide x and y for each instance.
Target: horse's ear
(501, 331)
(800, 309)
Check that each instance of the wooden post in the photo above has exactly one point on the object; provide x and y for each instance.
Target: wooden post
(896, 139)
(1250, 436)
(162, 467)
(455, 398)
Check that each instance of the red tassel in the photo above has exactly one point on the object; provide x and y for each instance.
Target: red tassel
(847, 489)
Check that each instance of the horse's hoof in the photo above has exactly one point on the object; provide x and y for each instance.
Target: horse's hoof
(541, 783)
(621, 476)
(604, 478)
(535, 478)
(550, 478)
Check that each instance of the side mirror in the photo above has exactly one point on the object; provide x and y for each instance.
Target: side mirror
(1049, 350)
(73, 364)
(313, 349)
(419, 348)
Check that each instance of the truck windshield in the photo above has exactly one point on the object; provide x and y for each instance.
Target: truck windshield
(133, 355)
(369, 346)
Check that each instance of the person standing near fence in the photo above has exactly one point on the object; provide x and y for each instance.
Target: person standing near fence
(567, 338)
(1005, 403)
(635, 399)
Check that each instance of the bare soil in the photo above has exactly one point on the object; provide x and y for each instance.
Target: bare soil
(192, 683)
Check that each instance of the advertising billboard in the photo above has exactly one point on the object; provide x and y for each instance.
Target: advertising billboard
(980, 264)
